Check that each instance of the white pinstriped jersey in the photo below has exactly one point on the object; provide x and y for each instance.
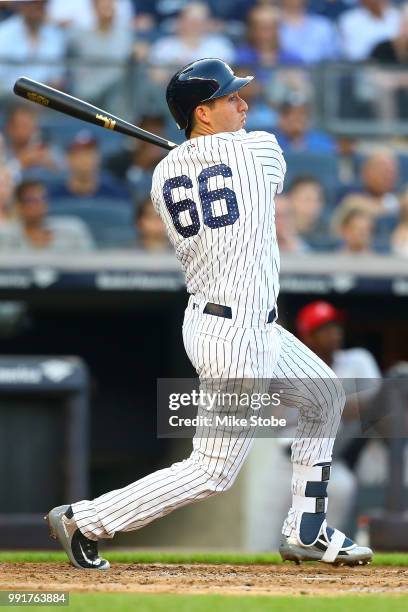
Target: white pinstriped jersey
(215, 195)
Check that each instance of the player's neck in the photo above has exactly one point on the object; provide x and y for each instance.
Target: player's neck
(202, 130)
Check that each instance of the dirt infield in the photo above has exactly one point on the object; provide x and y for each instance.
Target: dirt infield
(223, 579)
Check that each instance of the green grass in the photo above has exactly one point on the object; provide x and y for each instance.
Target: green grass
(151, 556)
(129, 602)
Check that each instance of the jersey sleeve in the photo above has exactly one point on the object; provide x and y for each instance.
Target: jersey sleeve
(267, 151)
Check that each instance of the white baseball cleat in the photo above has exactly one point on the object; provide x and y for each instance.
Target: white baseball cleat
(331, 546)
(82, 552)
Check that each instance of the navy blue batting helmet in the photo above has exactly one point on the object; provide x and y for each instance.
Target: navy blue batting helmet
(202, 80)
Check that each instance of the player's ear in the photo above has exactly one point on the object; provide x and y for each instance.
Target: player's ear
(202, 113)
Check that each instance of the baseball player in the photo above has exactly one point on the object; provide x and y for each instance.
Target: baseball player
(215, 194)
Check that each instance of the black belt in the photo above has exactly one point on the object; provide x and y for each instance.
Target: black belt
(218, 310)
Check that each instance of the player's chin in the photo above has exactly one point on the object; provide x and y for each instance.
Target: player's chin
(239, 125)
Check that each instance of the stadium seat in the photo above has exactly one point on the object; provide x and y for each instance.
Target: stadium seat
(62, 130)
(111, 226)
(403, 169)
(74, 203)
(384, 227)
(322, 166)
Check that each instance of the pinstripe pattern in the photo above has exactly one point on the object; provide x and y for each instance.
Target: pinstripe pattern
(219, 350)
(235, 265)
(246, 248)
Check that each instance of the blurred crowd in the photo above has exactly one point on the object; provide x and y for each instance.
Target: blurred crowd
(68, 187)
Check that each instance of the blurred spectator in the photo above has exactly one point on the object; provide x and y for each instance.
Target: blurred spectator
(81, 13)
(100, 52)
(399, 238)
(379, 177)
(135, 163)
(394, 50)
(6, 192)
(31, 230)
(288, 239)
(307, 204)
(355, 200)
(155, 14)
(364, 26)
(312, 38)
(26, 151)
(27, 36)
(193, 40)
(355, 227)
(85, 179)
(151, 233)
(152, 14)
(384, 223)
(391, 86)
(262, 46)
(321, 327)
(293, 132)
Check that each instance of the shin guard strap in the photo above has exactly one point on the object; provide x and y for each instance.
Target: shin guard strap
(316, 473)
(309, 504)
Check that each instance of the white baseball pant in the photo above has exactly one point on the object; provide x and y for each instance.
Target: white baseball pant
(244, 347)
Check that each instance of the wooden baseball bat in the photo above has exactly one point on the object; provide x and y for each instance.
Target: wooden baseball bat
(64, 103)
